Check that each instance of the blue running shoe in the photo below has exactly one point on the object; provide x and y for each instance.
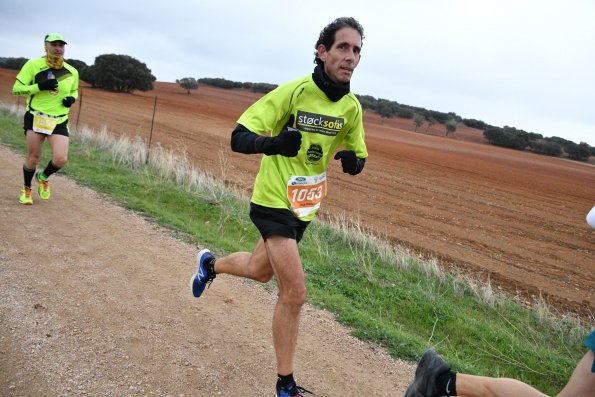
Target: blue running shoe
(430, 366)
(292, 390)
(204, 274)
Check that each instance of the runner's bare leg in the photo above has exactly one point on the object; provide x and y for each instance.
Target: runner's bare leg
(59, 145)
(278, 256)
(34, 145)
(287, 265)
(253, 265)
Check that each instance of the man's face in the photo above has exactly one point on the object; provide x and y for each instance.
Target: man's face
(55, 48)
(342, 58)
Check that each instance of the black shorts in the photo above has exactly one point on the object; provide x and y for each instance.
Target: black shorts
(277, 222)
(61, 129)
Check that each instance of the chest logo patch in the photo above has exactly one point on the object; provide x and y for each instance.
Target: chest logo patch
(314, 154)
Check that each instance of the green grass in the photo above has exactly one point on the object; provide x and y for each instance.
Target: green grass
(387, 297)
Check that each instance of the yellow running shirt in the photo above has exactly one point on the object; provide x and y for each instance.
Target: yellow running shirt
(35, 71)
(299, 183)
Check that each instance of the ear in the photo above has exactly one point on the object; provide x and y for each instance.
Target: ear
(322, 52)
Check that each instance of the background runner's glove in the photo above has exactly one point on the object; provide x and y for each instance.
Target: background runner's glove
(349, 161)
(51, 84)
(68, 101)
(287, 143)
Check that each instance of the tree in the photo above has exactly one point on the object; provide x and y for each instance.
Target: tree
(580, 152)
(188, 83)
(534, 136)
(473, 123)
(220, 83)
(78, 65)
(88, 75)
(451, 126)
(431, 122)
(120, 73)
(367, 102)
(560, 141)
(12, 63)
(438, 116)
(418, 121)
(386, 108)
(508, 137)
(548, 148)
(404, 112)
(264, 88)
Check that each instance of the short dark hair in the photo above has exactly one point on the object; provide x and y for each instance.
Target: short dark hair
(327, 35)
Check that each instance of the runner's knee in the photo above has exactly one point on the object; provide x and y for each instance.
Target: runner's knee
(60, 160)
(295, 296)
(33, 160)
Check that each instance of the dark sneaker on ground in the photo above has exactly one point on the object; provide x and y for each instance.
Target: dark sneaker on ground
(292, 390)
(203, 275)
(430, 366)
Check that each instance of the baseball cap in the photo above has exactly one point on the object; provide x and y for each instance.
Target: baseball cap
(55, 37)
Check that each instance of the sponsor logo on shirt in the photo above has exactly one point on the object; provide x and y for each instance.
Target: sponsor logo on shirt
(319, 123)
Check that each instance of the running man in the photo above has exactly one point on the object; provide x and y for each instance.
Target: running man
(51, 87)
(298, 127)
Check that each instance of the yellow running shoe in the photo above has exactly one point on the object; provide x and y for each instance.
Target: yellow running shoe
(43, 190)
(26, 196)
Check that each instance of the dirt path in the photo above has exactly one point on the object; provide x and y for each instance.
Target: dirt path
(94, 302)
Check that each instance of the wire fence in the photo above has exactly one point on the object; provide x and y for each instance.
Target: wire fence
(98, 109)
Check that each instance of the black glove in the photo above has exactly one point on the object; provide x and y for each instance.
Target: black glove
(349, 161)
(68, 101)
(51, 84)
(287, 143)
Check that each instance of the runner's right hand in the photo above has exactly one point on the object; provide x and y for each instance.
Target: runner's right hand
(289, 140)
(51, 84)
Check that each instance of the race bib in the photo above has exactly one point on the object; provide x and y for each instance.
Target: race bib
(44, 123)
(305, 193)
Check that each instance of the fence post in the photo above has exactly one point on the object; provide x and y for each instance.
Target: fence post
(151, 132)
(78, 116)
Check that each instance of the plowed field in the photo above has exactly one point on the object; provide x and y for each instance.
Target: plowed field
(516, 219)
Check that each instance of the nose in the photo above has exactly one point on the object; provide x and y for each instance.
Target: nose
(353, 54)
(350, 56)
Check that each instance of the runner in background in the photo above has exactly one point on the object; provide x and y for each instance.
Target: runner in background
(51, 87)
(308, 119)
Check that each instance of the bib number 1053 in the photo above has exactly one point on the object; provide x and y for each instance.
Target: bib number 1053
(305, 193)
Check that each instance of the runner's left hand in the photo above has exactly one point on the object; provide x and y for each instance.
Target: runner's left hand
(349, 162)
(68, 101)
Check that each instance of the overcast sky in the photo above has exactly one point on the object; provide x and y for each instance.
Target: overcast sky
(529, 64)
